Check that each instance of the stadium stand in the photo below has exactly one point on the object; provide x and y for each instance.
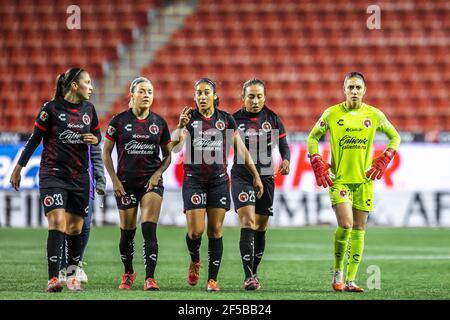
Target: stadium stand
(302, 49)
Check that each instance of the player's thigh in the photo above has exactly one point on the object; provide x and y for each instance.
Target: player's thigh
(216, 216)
(128, 218)
(195, 222)
(150, 207)
(243, 193)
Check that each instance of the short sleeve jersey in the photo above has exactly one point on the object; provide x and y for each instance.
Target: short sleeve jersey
(207, 145)
(138, 143)
(260, 132)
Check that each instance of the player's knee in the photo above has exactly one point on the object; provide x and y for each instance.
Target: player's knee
(248, 223)
(346, 225)
(359, 226)
(73, 229)
(195, 235)
(57, 223)
(215, 233)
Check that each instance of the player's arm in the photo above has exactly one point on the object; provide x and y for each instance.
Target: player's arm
(320, 167)
(108, 146)
(283, 148)
(167, 158)
(41, 126)
(179, 135)
(97, 166)
(380, 163)
(243, 152)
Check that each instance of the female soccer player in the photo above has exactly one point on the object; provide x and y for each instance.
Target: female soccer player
(208, 131)
(138, 134)
(67, 124)
(261, 129)
(352, 125)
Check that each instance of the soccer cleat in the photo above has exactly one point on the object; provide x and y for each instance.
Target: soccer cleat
(351, 286)
(62, 276)
(54, 285)
(250, 284)
(151, 285)
(73, 284)
(338, 281)
(80, 274)
(212, 286)
(258, 284)
(127, 281)
(193, 273)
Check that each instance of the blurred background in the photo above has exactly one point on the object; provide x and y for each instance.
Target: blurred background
(301, 49)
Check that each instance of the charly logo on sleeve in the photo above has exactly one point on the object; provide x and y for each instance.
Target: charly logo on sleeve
(154, 129)
(43, 116)
(86, 119)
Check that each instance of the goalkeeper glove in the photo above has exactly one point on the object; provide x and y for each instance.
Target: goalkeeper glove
(320, 169)
(380, 164)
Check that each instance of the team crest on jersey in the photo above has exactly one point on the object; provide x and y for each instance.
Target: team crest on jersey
(154, 129)
(125, 200)
(367, 123)
(266, 126)
(196, 199)
(111, 130)
(243, 196)
(49, 201)
(86, 119)
(220, 125)
(43, 116)
(343, 193)
(321, 123)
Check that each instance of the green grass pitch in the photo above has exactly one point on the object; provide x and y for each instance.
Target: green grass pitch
(414, 263)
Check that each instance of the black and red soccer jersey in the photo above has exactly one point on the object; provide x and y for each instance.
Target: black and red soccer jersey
(260, 133)
(60, 125)
(207, 146)
(138, 143)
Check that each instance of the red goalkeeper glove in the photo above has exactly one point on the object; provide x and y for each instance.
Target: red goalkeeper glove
(320, 169)
(380, 164)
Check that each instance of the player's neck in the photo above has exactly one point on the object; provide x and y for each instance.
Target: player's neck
(72, 98)
(140, 113)
(207, 113)
(353, 105)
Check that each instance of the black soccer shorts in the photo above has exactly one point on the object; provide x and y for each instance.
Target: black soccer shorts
(135, 191)
(245, 195)
(198, 195)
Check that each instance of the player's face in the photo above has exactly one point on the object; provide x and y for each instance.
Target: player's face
(143, 95)
(84, 86)
(354, 90)
(254, 98)
(204, 96)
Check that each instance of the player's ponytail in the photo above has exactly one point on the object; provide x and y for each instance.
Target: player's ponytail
(59, 86)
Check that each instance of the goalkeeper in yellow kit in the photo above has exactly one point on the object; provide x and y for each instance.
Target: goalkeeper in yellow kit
(352, 125)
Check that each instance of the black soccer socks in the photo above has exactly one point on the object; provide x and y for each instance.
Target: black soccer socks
(55, 240)
(215, 251)
(150, 248)
(126, 247)
(246, 246)
(260, 245)
(194, 248)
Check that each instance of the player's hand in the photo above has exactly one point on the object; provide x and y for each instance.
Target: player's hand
(100, 192)
(153, 181)
(185, 117)
(89, 138)
(119, 190)
(284, 168)
(258, 185)
(320, 169)
(15, 177)
(380, 164)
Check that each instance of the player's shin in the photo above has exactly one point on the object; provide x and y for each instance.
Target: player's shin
(55, 242)
(150, 248)
(355, 253)
(126, 247)
(246, 246)
(215, 252)
(260, 245)
(341, 237)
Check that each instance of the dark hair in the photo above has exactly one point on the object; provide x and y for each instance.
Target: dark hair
(252, 82)
(64, 80)
(212, 84)
(355, 74)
